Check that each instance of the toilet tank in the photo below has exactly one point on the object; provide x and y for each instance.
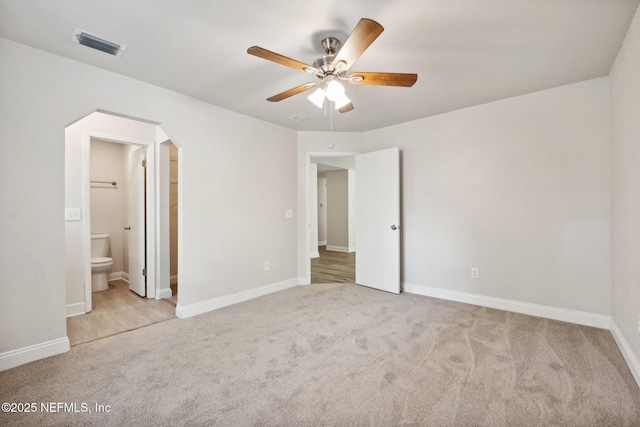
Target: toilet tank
(99, 245)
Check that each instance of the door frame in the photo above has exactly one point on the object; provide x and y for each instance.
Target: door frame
(150, 147)
(163, 178)
(306, 280)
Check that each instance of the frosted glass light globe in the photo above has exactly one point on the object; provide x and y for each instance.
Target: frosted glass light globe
(334, 90)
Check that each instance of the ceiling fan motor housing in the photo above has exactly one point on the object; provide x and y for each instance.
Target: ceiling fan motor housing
(331, 45)
(325, 64)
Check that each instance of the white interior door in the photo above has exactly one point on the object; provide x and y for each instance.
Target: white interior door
(378, 220)
(137, 232)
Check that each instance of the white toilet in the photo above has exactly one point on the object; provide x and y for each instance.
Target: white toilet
(100, 262)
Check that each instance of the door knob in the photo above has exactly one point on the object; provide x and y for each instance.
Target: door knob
(394, 227)
(128, 228)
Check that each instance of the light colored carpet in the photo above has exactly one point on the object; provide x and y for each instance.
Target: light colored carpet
(338, 355)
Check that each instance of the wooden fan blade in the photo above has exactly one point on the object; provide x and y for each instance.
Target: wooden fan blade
(346, 108)
(296, 90)
(281, 59)
(358, 41)
(383, 79)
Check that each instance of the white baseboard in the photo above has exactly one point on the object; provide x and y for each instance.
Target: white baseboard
(627, 353)
(191, 310)
(315, 255)
(173, 279)
(164, 293)
(116, 275)
(11, 359)
(303, 281)
(125, 276)
(323, 243)
(548, 312)
(75, 309)
(340, 249)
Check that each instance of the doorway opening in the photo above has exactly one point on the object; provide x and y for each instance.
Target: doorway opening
(117, 212)
(377, 234)
(332, 217)
(107, 157)
(169, 196)
(333, 267)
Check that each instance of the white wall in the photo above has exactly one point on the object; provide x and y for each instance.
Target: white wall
(107, 201)
(625, 125)
(228, 231)
(520, 188)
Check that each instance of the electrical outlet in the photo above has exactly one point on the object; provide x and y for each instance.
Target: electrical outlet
(475, 273)
(267, 266)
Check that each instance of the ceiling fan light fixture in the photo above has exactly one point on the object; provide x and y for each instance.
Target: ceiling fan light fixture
(331, 67)
(334, 90)
(317, 97)
(341, 101)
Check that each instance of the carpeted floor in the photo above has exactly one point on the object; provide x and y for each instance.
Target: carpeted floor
(337, 355)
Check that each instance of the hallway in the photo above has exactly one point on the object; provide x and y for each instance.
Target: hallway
(333, 267)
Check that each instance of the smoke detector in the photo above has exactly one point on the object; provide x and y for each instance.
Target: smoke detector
(91, 40)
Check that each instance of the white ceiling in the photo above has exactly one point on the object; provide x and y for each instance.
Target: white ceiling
(465, 52)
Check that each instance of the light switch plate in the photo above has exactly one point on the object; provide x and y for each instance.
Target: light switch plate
(288, 213)
(73, 214)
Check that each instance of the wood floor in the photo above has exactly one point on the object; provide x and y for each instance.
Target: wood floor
(333, 267)
(174, 293)
(117, 310)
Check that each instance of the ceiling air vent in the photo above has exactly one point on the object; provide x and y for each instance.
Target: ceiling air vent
(300, 118)
(95, 42)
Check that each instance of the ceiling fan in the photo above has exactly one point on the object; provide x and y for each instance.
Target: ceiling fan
(331, 68)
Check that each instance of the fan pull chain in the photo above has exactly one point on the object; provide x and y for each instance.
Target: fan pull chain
(331, 115)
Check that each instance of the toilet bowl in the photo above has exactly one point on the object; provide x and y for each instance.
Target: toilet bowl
(100, 262)
(100, 266)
